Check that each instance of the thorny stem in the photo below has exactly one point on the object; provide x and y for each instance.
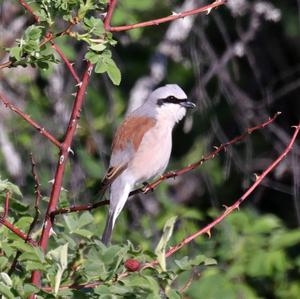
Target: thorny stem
(229, 210)
(29, 9)
(79, 208)
(27, 118)
(10, 226)
(38, 196)
(174, 16)
(171, 174)
(63, 157)
(17, 231)
(66, 61)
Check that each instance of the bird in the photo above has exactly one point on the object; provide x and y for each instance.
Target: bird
(141, 147)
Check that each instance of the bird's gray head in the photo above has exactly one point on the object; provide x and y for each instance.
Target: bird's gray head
(170, 102)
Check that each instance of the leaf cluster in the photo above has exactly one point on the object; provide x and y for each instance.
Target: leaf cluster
(83, 22)
(78, 257)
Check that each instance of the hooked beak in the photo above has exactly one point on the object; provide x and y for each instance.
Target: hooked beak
(188, 105)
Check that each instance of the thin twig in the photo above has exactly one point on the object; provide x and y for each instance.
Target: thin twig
(172, 17)
(17, 231)
(10, 226)
(5, 64)
(188, 282)
(29, 9)
(111, 7)
(27, 118)
(6, 207)
(38, 196)
(79, 208)
(66, 61)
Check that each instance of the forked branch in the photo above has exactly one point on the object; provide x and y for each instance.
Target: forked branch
(172, 17)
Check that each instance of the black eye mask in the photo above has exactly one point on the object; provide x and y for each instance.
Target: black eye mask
(173, 100)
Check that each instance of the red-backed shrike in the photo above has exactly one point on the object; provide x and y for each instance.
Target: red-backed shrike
(142, 146)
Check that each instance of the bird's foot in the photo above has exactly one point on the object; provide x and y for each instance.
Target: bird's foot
(147, 187)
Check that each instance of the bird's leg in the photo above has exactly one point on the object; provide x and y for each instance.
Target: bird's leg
(147, 187)
(173, 174)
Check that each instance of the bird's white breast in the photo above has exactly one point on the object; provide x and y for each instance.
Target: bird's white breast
(153, 154)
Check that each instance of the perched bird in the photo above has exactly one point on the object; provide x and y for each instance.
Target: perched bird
(142, 146)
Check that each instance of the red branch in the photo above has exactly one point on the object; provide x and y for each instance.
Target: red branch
(27, 118)
(63, 157)
(10, 226)
(79, 208)
(229, 210)
(17, 232)
(29, 9)
(66, 61)
(174, 16)
(6, 206)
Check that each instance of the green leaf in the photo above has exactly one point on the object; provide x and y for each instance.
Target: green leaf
(5, 291)
(113, 72)
(102, 290)
(5, 185)
(30, 266)
(29, 289)
(85, 6)
(85, 218)
(98, 47)
(92, 57)
(160, 249)
(94, 25)
(119, 289)
(173, 294)
(23, 223)
(101, 67)
(4, 277)
(83, 233)
(22, 246)
(285, 239)
(138, 281)
(60, 256)
(16, 53)
(3, 262)
(71, 222)
(7, 248)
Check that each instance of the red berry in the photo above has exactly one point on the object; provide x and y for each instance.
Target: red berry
(132, 265)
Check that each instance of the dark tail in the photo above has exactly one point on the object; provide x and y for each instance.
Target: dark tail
(108, 230)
